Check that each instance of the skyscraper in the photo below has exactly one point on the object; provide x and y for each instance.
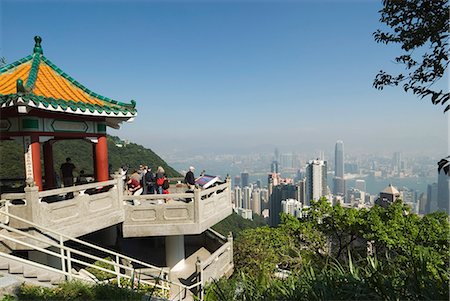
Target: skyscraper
(244, 179)
(443, 192)
(316, 180)
(338, 180)
(339, 159)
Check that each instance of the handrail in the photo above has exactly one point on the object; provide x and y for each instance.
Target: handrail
(13, 195)
(76, 188)
(213, 256)
(68, 250)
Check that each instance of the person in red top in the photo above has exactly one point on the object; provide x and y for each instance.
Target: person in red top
(134, 186)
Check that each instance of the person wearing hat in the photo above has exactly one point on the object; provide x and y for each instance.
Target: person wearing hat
(189, 179)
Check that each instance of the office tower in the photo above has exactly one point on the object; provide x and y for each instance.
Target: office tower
(316, 180)
(443, 192)
(237, 197)
(292, 207)
(339, 159)
(246, 197)
(279, 193)
(397, 162)
(237, 181)
(360, 185)
(338, 186)
(244, 179)
(274, 167)
(338, 180)
(256, 201)
(432, 198)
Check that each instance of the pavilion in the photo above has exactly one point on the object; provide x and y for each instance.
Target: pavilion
(40, 103)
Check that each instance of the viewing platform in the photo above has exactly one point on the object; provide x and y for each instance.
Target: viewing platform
(99, 205)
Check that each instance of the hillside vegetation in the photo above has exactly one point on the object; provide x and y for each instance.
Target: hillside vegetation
(80, 151)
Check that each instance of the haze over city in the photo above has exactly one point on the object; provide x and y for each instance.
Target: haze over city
(234, 76)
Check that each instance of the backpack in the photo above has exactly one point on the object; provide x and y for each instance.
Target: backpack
(165, 184)
(160, 181)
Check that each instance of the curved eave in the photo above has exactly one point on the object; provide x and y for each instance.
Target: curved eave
(62, 107)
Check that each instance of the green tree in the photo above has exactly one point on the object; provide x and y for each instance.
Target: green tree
(421, 28)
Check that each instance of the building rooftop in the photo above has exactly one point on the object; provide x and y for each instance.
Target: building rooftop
(37, 82)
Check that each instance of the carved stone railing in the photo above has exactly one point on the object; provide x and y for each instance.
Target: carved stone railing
(83, 209)
(176, 213)
(75, 210)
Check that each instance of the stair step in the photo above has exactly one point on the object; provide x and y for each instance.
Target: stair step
(4, 265)
(43, 277)
(15, 268)
(57, 279)
(29, 273)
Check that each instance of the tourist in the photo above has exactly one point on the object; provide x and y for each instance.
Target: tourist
(67, 169)
(189, 179)
(81, 179)
(149, 180)
(134, 188)
(160, 176)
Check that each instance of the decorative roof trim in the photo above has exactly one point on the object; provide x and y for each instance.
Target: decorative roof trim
(16, 63)
(32, 76)
(58, 105)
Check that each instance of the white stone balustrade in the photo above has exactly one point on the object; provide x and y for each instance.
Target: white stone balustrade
(92, 209)
(176, 213)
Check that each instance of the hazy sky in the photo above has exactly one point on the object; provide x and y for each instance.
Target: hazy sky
(229, 75)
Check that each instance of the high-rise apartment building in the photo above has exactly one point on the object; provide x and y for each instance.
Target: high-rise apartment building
(246, 197)
(237, 197)
(292, 207)
(256, 201)
(316, 180)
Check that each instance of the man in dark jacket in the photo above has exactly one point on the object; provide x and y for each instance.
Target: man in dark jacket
(149, 179)
(189, 179)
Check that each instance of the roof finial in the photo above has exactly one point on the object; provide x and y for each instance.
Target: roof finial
(37, 45)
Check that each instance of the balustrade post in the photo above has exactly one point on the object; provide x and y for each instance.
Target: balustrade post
(199, 272)
(197, 205)
(230, 241)
(30, 211)
(119, 184)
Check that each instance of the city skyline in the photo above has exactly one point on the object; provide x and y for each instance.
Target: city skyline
(218, 76)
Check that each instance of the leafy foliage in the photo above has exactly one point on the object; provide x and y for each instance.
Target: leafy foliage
(421, 28)
(79, 291)
(327, 257)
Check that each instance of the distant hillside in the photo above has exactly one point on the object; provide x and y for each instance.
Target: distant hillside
(236, 224)
(80, 151)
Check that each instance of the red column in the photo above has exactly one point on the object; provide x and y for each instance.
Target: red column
(36, 158)
(48, 165)
(101, 159)
(94, 160)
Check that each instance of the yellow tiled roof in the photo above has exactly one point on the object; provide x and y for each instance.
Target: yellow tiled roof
(37, 79)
